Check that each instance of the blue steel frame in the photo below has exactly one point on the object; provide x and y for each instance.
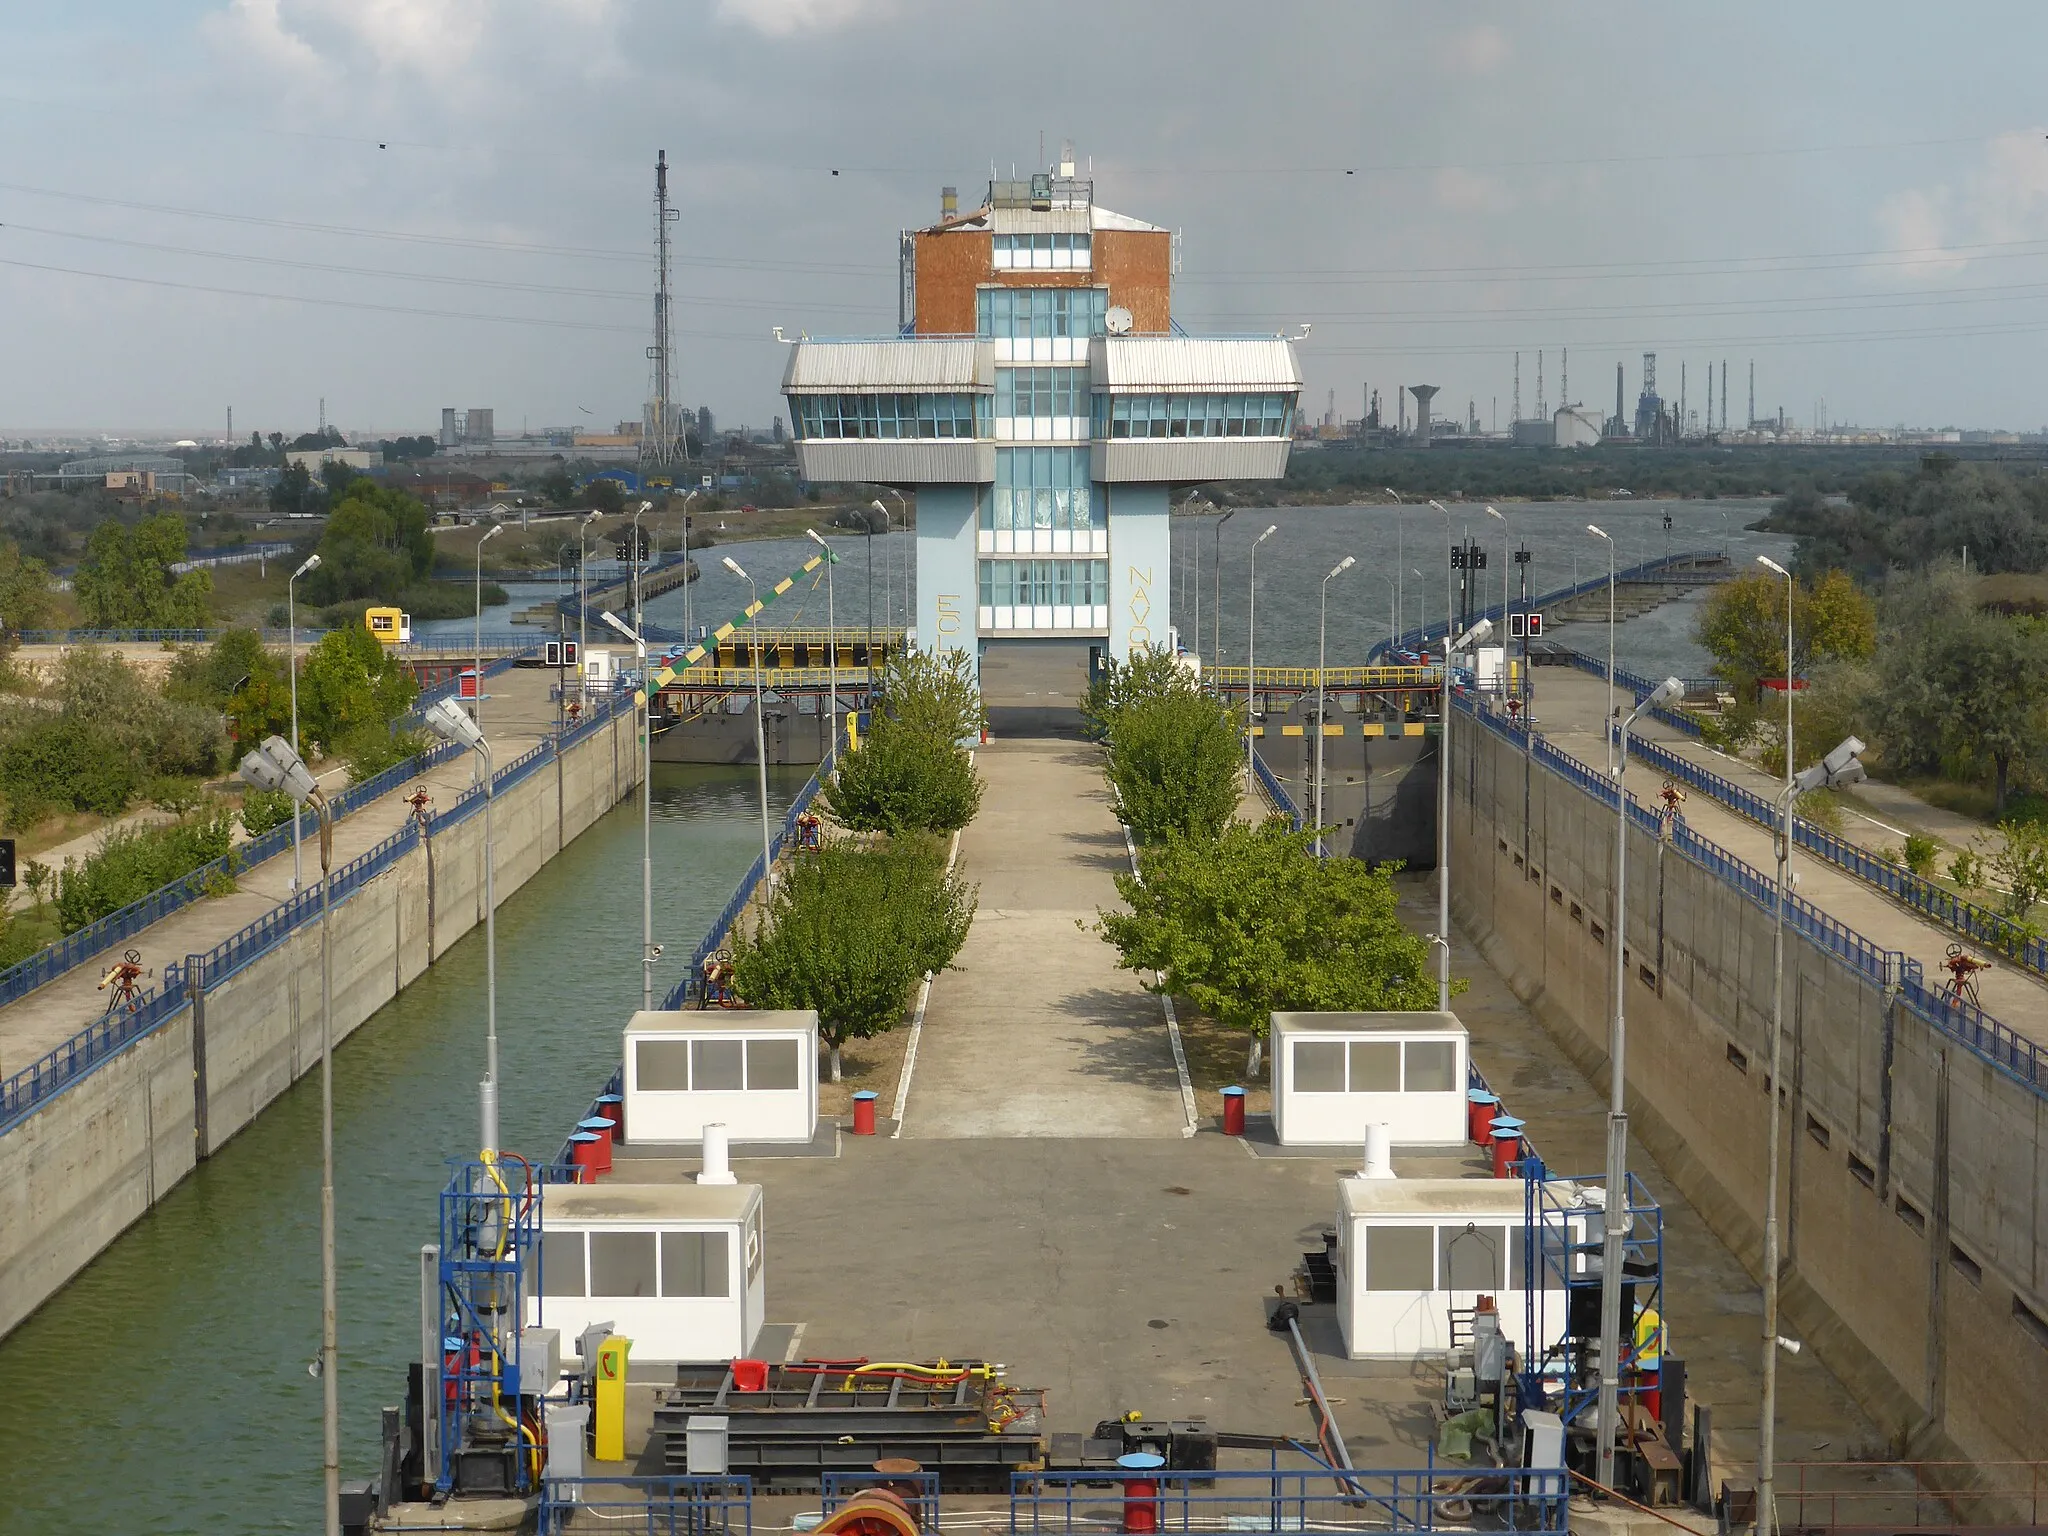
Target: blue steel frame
(1564, 1380)
(651, 1506)
(1289, 1499)
(838, 1487)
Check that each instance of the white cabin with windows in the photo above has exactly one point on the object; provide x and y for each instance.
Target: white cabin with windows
(1410, 1250)
(755, 1071)
(680, 1269)
(1336, 1073)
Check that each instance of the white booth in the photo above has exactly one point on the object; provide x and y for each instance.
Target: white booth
(680, 1269)
(1336, 1073)
(1409, 1250)
(753, 1071)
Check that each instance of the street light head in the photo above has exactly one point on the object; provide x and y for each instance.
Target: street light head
(312, 563)
(812, 535)
(1441, 507)
(1849, 752)
(877, 505)
(1493, 511)
(593, 517)
(495, 530)
(1598, 532)
(1391, 492)
(1271, 529)
(1671, 688)
(645, 506)
(1767, 560)
(1473, 636)
(274, 765)
(734, 566)
(451, 722)
(1341, 567)
(620, 625)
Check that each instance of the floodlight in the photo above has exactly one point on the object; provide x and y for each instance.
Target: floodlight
(274, 765)
(1473, 636)
(1671, 688)
(1840, 768)
(448, 720)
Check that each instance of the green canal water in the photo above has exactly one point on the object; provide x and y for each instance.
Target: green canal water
(166, 1390)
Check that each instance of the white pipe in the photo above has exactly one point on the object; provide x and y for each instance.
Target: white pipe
(1379, 1158)
(717, 1156)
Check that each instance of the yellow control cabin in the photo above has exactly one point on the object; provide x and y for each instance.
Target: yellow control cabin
(389, 625)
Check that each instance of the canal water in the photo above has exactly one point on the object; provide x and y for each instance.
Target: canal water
(166, 1389)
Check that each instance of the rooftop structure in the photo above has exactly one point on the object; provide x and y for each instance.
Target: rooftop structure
(1042, 401)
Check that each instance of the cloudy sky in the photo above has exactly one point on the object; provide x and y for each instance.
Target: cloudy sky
(405, 204)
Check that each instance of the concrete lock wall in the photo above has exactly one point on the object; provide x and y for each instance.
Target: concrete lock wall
(1915, 1229)
(96, 1157)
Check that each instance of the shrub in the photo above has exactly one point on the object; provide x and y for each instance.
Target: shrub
(1921, 854)
(65, 762)
(263, 809)
(2021, 860)
(134, 861)
(903, 781)
(1174, 763)
(373, 749)
(1966, 870)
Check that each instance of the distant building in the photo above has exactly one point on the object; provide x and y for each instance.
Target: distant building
(472, 428)
(313, 460)
(1575, 426)
(1042, 401)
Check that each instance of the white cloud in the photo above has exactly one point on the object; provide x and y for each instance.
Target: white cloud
(788, 18)
(254, 27)
(2003, 201)
(1477, 50)
(1466, 191)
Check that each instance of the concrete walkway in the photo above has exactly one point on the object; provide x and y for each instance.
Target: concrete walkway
(1569, 709)
(1038, 1033)
(517, 713)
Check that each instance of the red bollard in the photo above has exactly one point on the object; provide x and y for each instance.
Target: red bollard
(1480, 1108)
(583, 1155)
(602, 1127)
(1507, 1145)
(1141, 1493)
(1233, 1111)
(864, 1112)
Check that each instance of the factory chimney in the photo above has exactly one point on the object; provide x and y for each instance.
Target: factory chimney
(1617, 399)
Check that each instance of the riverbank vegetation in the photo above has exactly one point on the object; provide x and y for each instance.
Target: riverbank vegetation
(1241, 920)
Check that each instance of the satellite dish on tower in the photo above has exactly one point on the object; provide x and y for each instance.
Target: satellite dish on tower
(1118, 320)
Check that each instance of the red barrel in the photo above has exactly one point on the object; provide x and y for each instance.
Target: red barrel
(1141, 1491)
(1507, 1145)
(585, 1147)
(864, 1112)
(1480, 1109)
(603, 1128)
(1233, 1111)
(614, 1105)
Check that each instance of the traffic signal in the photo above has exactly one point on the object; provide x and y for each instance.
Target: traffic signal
(7, 863)
(1535, 626)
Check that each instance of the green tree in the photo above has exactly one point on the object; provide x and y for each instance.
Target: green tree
(25, 599)
(350, 690)
(1250, 924)
(1152, 672)
(239, 677)
(933, 693)
(125, 580)
(1174, 761)
(903, 781)
(604, 495)
(850, 930)
(376, 545)
(1742, 626)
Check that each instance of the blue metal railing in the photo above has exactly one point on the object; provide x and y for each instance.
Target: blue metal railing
(1284, 1499)
(1269, 781)
(1641, 687)
(1917, 892)
(649, 1506)
(1996, 1043)
(29, 1088)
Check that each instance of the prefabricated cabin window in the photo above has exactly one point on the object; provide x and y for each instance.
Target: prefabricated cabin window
(1375, 1066)
(773, 1064)
(1432, 1066)
(622, 1264)
(1319, 1066)
(561, 1263)
(1400, 1258)
(695, 1264)
(1471, 1256)
(662, 1066)
(717, 1064)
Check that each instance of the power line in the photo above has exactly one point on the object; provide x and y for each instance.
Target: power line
(1769, 339)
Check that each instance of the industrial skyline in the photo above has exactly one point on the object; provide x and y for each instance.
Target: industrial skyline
(397, 208)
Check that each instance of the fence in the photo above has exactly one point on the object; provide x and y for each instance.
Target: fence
(1995, 1043)
(1270, 783)
(2026, 949)
(648, 1506)
(1641, 687)
(27, 1089)
(1409, 1499)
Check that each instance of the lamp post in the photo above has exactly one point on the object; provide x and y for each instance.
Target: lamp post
(688, 496)
(648, 952)
(1442, 936)
(1506, 629)
(447, 721)
(908, 550)
(1618, 1218)
(275, 765)
(1400, 553)
(291, 642)
(832, 642)
(639, 562)
(1841, 767)
(1216, 626)
(1607, 721)
(1450, 588)
(495, 530)
(888, 575)
(760, 721)
(1251, 666)
(868, 544)
(1322, 652)
(582, 604)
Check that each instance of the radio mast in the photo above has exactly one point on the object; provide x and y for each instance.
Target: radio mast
(658, 446)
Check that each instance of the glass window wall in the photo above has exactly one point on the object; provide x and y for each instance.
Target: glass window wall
(1042, 488)
(891, 416)
(1260, 415)
(1039, 314)
(1044, 583)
